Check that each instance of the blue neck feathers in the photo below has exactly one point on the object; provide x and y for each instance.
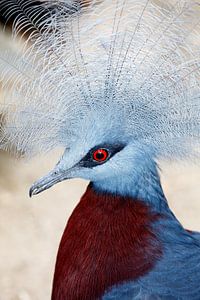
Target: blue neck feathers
(143, 183)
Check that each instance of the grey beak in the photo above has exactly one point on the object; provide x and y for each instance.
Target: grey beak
(46, 182)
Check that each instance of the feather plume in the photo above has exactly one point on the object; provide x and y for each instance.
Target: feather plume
(131, 66)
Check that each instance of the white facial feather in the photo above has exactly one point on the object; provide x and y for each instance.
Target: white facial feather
(113, 70)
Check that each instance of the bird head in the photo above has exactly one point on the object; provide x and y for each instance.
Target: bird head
(101, 152)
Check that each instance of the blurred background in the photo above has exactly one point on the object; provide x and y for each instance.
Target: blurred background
(30, 229)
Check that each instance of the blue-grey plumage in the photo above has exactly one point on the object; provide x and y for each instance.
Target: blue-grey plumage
(176, 275)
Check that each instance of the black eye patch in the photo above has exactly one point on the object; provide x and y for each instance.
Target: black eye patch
(104, 151)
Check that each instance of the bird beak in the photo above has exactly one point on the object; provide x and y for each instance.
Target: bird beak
(46, 182)
(66, 168)
(59, 173)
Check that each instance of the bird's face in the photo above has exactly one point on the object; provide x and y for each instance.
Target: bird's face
(100, 158)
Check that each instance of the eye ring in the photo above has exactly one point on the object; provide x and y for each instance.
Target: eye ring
(100, 155)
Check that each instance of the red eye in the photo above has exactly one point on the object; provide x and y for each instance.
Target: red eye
(100, 155)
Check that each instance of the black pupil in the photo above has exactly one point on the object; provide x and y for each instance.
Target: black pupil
(100, 155)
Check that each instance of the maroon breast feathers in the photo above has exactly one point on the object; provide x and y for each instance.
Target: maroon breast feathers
(108, 240)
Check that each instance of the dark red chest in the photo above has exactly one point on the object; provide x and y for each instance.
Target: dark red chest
(108, 240)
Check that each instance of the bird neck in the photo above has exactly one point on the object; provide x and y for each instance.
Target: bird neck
(109, 240)
(143, 183)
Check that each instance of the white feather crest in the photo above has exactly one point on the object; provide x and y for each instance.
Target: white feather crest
(136, 60)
